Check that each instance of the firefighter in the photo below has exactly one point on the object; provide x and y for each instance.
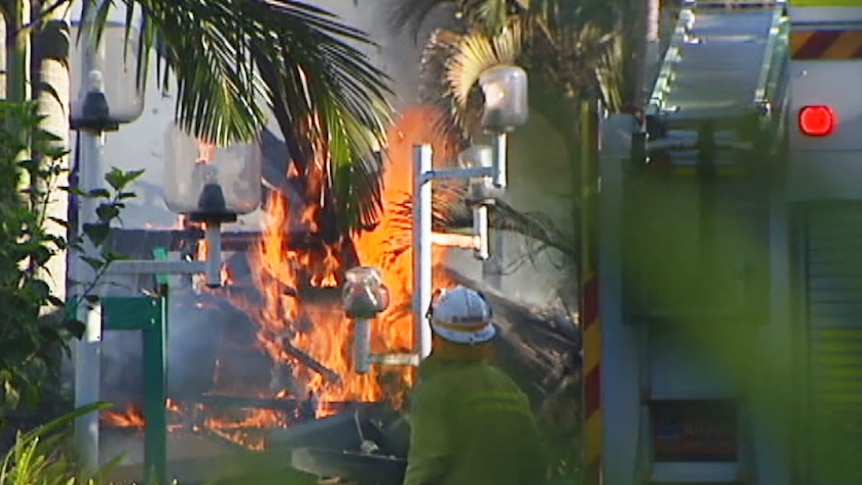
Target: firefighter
(470, 423)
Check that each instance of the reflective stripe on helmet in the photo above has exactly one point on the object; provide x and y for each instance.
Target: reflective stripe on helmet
(457, 327)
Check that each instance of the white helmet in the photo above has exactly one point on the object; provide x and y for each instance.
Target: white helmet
(462, 316)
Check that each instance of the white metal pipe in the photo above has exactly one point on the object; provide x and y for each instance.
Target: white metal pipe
(480, 229)
(499, 167)
(459, 173)
(422, 247)
(88, 348)
(213, 262)
(452, 240)
(395, 359)
(362, 345)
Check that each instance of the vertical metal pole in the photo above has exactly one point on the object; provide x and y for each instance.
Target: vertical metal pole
(499, 151)
(480, 229)
(213, 238)
(492, 268)
(88, 349)
(422, 247)
(155, 392)
(362, 345)
(589, 299)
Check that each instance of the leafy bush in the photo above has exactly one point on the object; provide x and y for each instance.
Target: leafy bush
(37, 325)
(40, 457)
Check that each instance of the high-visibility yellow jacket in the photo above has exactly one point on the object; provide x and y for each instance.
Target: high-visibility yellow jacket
(471, 425)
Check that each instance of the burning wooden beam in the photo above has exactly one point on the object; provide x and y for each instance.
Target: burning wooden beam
(331, 376)
(310, 362)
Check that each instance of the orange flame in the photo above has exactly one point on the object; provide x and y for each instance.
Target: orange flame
(328, 339)
(288, 325)
(133, 417)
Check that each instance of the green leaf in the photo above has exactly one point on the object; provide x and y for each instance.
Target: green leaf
(59, 221)
(73, 191)
(99, 193)
(107, 212)
(75, 327)
(67, 419)
(40, 289)
(56, 301)
(97, 233)
(40, 255)
(120, 179)
(132, 175)
(111, 256)
(115, 178)
(126, 195)
(29, 165)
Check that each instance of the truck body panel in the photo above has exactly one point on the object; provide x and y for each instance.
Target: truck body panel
(730, 256)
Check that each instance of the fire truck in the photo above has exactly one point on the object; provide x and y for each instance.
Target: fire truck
(722, 289)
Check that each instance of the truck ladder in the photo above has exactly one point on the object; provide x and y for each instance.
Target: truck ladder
(723, 67)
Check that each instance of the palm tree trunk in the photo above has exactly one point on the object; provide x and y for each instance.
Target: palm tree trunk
(3, 59)
(52, 94)
(17, 61)
(17, 50)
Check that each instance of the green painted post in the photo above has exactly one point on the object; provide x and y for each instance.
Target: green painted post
(149, 315)
(155, 396)
(155, 386)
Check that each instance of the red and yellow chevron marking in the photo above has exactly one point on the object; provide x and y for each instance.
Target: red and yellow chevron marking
(826, 45)
(592, 345)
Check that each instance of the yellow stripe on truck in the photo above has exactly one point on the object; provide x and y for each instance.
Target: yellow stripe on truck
(826, 44)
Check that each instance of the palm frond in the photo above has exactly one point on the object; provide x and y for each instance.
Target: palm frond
(452, 213)
(610, 75)
(231, 60)
(537, 227)
(476, 53)
(434, 90)
(451, 65)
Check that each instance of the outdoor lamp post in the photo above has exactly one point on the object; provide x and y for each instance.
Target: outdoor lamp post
(364, 297)
(212, 185)
(105, 94)
(106, 91)
(505, 90)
